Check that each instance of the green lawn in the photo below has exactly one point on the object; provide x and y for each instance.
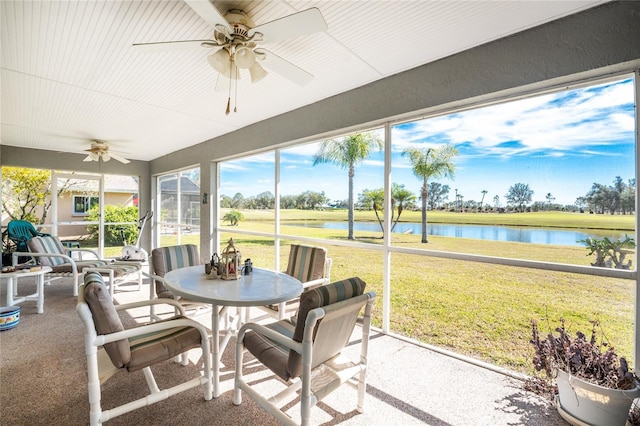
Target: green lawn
(480, 310)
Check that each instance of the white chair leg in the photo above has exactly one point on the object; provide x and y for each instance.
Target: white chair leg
(112, 283)
(237, 392)
(95, 410)
(151, 381)
(362, 387)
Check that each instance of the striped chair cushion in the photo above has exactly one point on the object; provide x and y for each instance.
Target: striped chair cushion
(165, 259)
(315, 298)
(287, 364)
(120, 269)
(105, 317)
(66, 268)
(162, 345)
(270, 353)
(50, 245)
(306, 263)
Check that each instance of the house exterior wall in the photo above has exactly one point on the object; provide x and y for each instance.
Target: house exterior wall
(65, 212)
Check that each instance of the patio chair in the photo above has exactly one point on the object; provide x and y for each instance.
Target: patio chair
(311, 266)
(49, 251)
(110, 347)
(17, 234)
(165, 259)
(307, 355)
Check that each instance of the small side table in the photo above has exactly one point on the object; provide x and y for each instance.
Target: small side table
(12, 286)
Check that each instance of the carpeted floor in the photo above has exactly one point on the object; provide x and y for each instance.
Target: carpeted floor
(43, 381)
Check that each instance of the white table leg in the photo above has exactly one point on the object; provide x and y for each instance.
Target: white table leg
(215, 350)
(11, 289)
(40, 292)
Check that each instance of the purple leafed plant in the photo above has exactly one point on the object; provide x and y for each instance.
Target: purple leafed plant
(587, 359)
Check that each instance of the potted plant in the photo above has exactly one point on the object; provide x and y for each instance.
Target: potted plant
(594, 385)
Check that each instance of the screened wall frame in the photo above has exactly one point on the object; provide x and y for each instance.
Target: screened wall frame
(386, 248)
(178, 207)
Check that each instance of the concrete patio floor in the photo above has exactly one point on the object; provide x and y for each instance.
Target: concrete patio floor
(407, 383)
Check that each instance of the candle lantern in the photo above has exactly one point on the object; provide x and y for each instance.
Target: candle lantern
(230, 260)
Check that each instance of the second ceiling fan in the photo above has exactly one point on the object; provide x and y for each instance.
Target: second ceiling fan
(237, 40)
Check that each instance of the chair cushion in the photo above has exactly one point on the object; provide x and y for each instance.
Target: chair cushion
(268, 352)
(306, 263)
(121, 269)
(50, 245)
(165, 259)
(162, 345)
(80, 264)
(315, 298)
(105, 318)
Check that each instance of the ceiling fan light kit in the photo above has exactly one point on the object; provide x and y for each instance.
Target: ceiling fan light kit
(237, 37)
(100, 151)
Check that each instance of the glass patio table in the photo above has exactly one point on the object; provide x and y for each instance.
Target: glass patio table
(262, 287)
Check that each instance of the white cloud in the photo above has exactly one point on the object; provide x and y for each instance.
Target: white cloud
(558, 122)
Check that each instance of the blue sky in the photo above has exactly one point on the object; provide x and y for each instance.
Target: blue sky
(558, 143)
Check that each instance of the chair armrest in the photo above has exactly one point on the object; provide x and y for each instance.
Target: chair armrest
(77, 250)
(142, 303)
(15, 254)
(101, 339)
(153, 276)
(314, 283)
(271, 334)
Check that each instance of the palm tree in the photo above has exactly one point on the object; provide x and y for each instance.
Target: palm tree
(374, 198)
(484, 192)
(233, 217)
(427, 163)
(400, 198)
(550, 199)
(346, 153)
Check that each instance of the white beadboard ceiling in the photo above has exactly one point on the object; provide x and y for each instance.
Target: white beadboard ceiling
(69, 73)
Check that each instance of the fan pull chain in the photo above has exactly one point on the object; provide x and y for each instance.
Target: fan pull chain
(230, 79)
(235, 107)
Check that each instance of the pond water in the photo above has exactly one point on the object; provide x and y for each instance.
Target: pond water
(562, 237)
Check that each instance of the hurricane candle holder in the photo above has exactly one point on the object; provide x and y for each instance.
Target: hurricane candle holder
(231, 259)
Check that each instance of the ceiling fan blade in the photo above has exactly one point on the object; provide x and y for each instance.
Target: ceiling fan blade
(119, 158)
(163, 46)
(306, 22)
(285, 68)
(208, 12)
(88, 158)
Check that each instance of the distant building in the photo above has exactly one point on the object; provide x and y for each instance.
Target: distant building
(189, 200)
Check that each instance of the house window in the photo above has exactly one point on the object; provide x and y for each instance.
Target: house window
(82, 204)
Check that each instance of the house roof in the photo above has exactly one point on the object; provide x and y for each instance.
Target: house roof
(187, 186)
(112, 184)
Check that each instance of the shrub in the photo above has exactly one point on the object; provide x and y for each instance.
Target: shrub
(610, 253)
(233, 217)
(115, 214)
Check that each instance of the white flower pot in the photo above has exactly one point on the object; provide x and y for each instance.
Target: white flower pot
(590, 404)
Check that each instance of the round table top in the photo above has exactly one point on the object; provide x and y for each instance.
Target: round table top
(25, 272)
(262, 287)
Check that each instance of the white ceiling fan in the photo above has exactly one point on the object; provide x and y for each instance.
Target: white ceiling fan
(237, 41)
(100, 150)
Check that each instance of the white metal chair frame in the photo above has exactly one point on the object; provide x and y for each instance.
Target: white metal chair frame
(282, 312)
(75, 274)
(100, 368)
(194, 308)
(328, 375)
